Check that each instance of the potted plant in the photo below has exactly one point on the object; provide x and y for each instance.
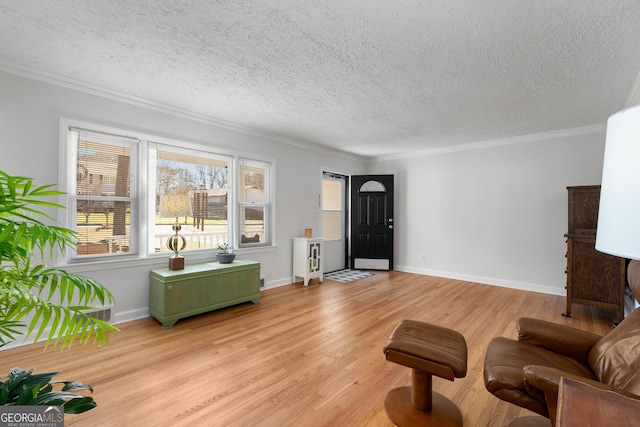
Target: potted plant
(26, 388)
(35, 297)
(225, 254)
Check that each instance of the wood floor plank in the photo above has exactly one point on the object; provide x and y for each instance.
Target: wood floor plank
(302, 357)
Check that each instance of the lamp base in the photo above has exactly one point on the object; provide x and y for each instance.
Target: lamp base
(176, 263)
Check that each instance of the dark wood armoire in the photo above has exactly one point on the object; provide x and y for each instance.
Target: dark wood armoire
(593, 278)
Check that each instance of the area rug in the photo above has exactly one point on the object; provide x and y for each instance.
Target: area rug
(344, 276)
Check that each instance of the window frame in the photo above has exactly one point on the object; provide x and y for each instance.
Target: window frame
(176, 147)
(141, 205)
(267, 204)
(68, 182)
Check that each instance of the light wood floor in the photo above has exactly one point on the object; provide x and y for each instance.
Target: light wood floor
(302, 357)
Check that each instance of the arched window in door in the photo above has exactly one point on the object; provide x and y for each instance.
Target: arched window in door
(372, 187)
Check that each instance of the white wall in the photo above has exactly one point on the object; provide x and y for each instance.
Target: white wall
(30, 113)
(493, 215)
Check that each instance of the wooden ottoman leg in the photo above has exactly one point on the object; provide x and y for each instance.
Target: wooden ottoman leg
(421, 389)
(419, 405)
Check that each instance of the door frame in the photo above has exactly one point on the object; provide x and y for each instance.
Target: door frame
(376, 257)
(345, 207)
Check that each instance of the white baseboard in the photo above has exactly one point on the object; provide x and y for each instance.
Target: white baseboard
(128, 316)
(277, 283)
(523, 286)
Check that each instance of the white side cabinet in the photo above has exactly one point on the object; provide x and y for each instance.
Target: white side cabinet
(307, 258)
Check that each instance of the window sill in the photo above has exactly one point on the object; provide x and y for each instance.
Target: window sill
(154, 261)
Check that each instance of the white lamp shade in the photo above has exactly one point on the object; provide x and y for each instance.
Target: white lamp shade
(619, 214)
(174, 205)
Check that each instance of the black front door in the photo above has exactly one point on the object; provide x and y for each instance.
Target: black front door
(372, 222)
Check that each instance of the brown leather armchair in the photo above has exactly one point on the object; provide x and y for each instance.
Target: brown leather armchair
(527, 372)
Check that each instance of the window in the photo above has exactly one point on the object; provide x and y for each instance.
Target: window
(253, 202)
(202, 179)
(332, 197)
(104, 195)
(129, 190)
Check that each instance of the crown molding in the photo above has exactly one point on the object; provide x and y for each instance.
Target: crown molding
(81, 86)
(74, 84)
(494, 143)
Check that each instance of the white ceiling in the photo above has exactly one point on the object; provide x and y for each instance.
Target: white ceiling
(368, 77)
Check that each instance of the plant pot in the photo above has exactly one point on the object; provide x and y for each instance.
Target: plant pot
(224, 258)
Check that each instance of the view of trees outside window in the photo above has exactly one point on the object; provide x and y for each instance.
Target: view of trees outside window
(204, 179)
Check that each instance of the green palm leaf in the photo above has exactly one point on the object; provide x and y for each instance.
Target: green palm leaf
(35, 300)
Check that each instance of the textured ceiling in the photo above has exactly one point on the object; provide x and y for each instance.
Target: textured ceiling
(367, 77)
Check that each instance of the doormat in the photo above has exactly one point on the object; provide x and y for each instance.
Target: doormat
(344, 276)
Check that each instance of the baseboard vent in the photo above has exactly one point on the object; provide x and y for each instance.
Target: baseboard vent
(105, 314)
(262, 282)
